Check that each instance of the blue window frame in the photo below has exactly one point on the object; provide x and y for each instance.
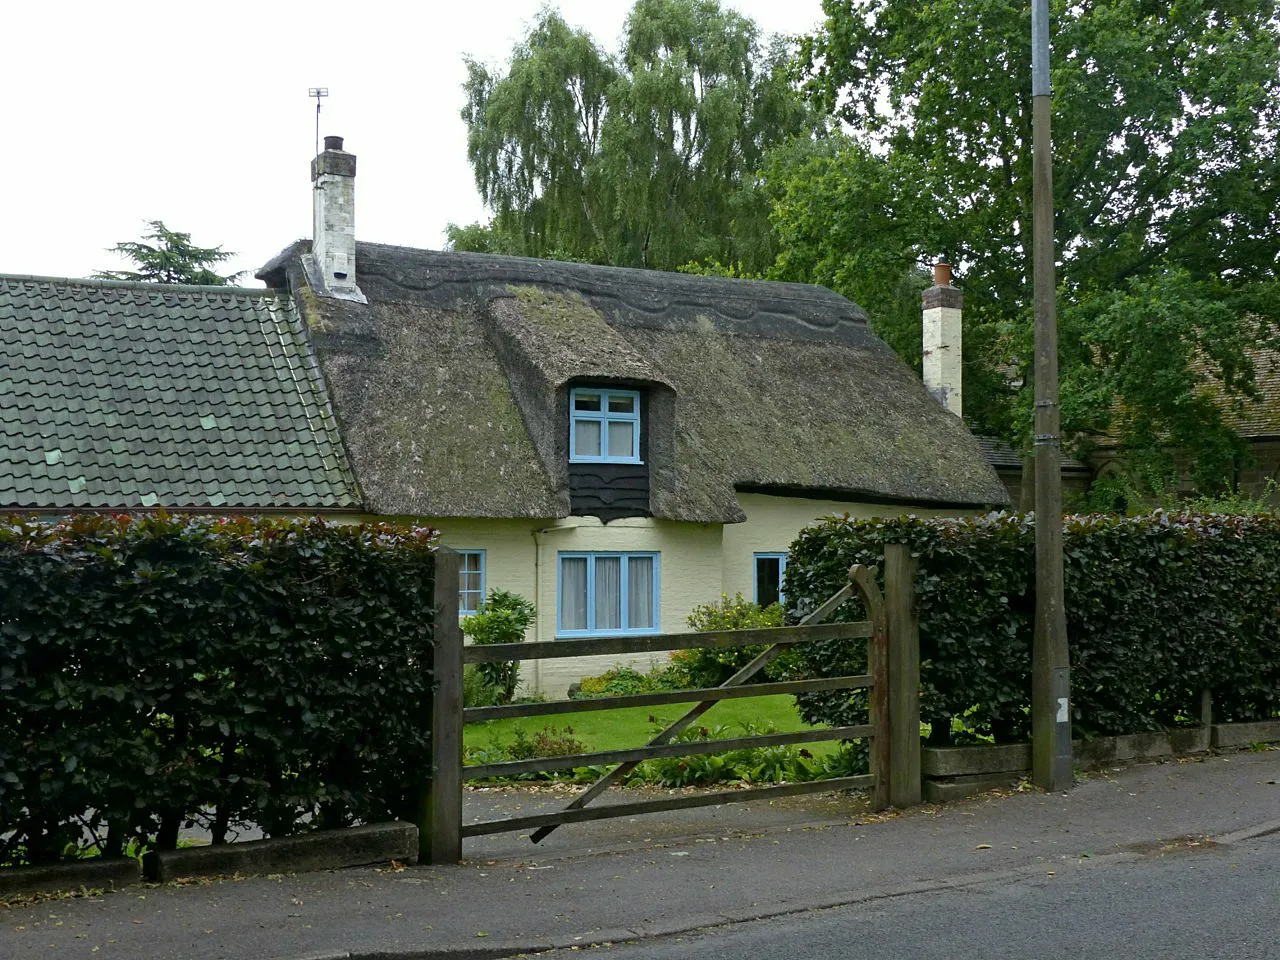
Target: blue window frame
(606, 594)
(470, 582)
(604, 426)
(770, 568)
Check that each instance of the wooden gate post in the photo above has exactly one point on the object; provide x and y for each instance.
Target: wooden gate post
(440, 825)
(904, 675)
(878, 668)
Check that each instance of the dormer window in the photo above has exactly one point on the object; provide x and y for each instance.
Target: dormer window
(604, 426)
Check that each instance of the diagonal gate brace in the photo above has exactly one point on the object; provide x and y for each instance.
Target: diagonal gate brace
(861, 577)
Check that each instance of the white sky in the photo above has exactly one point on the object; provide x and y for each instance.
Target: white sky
(197, 114)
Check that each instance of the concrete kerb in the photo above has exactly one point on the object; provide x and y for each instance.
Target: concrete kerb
(322, 850)
(953, 773)
(96, 874)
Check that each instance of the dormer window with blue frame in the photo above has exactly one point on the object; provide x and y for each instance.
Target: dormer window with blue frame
(604, 426)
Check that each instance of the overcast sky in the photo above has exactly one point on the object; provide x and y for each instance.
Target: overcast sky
(197, 114)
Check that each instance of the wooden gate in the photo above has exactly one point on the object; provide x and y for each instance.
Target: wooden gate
(892, 682)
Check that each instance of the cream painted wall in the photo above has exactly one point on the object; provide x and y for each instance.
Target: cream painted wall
(774, 522)
(697, 562)
(521, 556)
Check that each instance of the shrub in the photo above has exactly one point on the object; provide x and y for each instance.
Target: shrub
(1159, 607)
(155, 668)
(550, 741)
(712, 666)
(477, 691)
(503, 618)
(626, 681)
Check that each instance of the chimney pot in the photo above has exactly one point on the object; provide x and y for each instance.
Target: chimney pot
(941, 269)
(335, 143)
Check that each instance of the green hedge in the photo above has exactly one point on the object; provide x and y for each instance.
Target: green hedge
(1159, 607)
(160, 670)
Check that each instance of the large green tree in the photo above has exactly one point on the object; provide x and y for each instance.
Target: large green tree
(1167, 192)
(647, 157)
(171, 257)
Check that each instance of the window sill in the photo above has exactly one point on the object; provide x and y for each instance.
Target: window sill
(597, 634)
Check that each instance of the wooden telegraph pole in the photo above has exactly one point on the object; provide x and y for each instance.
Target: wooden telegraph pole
(1050, 663)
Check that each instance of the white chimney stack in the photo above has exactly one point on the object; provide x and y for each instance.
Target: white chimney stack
(332, 270)
(943, 305)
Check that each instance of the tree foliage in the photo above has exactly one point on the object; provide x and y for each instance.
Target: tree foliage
(647, 157)
(1166, 183)
(171, 257)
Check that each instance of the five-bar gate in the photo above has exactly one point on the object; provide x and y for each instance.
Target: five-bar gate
(892, 680)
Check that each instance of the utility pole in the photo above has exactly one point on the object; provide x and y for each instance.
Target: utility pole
(1050, 662)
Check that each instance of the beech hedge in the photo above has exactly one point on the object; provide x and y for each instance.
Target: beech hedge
(165, 670)
(1159, 608)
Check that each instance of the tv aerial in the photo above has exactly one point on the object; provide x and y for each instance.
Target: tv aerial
(319, 93)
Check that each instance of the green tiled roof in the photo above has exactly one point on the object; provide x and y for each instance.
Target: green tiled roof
(132, 395)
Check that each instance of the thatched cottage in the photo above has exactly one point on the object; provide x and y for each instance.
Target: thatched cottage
(619, 445)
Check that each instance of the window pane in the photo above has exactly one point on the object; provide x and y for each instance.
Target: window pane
(621, 439)
(573, 593)
(621, 404)
(586, 401)
(586, 434)
(470, 585)
(608, 593)
(768, 579)
(640, 593)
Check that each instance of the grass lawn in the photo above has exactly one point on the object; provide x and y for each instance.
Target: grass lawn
(620, 729)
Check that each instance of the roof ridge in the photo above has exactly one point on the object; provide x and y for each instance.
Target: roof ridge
(190, 289)
(795, 291)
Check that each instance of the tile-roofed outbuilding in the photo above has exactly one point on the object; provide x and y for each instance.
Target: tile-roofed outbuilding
(132, 395)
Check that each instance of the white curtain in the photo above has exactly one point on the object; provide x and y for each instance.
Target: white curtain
(608, 593)
(622, 439)
(640, 592)
(573, 593)
(587, 438)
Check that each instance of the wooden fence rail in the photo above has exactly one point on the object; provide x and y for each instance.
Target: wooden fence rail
(892, 680)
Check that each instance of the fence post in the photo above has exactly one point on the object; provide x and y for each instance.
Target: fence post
(904, 675)
(440, 826)
(878, 667)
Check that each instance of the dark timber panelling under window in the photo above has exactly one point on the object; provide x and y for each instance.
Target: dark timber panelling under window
(611, 491)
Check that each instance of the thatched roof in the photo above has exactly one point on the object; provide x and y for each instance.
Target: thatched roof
(449, 386)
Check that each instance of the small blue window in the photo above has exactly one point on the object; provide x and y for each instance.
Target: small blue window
(770, 568)
(604, 426)
(607, 594)
(471, 582)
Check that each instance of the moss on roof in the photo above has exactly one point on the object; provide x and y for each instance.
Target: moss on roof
(447, 386)
(428, 416)
(566, 337)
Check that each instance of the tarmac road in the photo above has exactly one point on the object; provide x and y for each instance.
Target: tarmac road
(1197, 902)
(1114, 863)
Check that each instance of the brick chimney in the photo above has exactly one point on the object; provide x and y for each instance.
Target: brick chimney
(332, 270)
(943, 305)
